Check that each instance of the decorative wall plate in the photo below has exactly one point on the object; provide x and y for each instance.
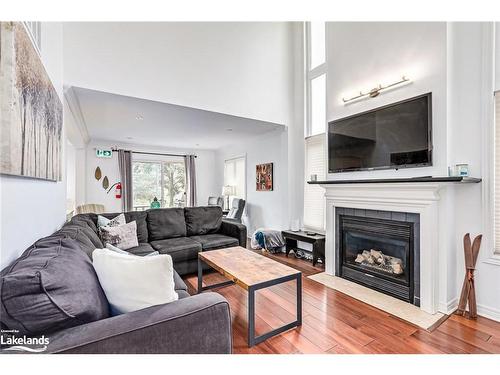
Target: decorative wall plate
(105, 183)
(98, 173)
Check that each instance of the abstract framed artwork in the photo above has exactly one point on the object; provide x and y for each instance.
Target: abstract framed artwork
(264, 177)
(31, 112)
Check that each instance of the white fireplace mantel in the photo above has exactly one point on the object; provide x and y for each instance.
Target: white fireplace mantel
(436, 244)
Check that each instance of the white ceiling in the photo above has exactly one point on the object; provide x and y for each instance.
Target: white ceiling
(119, 118)
(238, 68)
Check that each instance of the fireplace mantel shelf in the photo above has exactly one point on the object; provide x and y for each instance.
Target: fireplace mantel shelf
(469, 180)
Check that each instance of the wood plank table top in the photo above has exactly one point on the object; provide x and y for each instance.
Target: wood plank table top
(245, 267)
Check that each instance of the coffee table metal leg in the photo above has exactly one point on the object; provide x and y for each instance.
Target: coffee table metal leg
(200, 276)
(299, 299)
(251, 317)
(252, 340)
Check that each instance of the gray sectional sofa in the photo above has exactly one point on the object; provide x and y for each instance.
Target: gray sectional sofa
(52, 288)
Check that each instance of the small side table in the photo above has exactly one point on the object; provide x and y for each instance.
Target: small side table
(317, 240)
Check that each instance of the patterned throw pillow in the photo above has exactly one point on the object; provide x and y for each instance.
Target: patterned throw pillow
(122, 236)
(105, 222)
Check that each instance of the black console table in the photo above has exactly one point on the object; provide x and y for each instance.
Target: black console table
(317, 240)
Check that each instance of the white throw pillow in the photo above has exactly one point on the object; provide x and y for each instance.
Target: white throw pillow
(116, 250)
(122, 236)
(133, 283)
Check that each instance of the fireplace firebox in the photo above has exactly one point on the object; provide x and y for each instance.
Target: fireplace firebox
(377, 251)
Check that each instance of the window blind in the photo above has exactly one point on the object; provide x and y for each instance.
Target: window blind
(496, 172)
(314, 201)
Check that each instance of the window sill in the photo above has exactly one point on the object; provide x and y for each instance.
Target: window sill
(493, 259)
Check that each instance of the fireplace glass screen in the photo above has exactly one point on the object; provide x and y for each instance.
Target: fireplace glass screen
(377, 253)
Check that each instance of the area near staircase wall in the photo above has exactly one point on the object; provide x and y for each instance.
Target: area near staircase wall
(32, 208)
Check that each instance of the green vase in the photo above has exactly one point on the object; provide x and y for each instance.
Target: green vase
(155, 203)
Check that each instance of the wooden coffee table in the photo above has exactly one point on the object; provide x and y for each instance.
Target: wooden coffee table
(252, 272)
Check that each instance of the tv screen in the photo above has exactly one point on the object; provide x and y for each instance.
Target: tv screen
(394, 136)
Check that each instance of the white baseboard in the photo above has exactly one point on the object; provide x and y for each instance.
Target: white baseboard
(484, 311)
(448, 307)
(488, 312)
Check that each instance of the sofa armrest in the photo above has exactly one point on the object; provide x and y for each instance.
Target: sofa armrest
(236, 230)
(196, 324)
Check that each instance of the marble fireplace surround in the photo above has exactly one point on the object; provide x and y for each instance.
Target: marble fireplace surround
(437, 246)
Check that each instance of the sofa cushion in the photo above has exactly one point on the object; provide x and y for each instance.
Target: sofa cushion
(52, 286)
(179, 283)
(80, 234)
(215, 241)
(203, 220)
(180, 249)
(166, 223)
(182, 294)
(141, 250)
(88, 219)
(88, 230)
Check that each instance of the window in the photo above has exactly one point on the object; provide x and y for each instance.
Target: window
(314, 201)
(318, 103)
(316, 79)
(496, 173)
(235, 176)
(164, 179)
(317, 43)
(315, 127)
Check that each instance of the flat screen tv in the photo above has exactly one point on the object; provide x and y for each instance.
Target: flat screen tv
(395, 136)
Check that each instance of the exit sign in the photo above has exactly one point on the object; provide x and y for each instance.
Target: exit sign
(104, 153)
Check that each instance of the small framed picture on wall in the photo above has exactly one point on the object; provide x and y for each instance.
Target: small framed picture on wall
(264, 177)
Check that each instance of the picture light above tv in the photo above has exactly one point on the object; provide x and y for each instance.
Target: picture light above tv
(394, 136)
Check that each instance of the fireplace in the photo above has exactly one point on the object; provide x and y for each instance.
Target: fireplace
(379, 249)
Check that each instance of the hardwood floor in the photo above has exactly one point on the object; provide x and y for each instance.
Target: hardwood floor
(338, 324)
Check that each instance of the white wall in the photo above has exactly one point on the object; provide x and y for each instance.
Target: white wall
(30, 208)
(79, 143)
(470, 96)
(361, 55)
(296, 143)
(205, 176)
(497, 56)
(268, 209)
(234, 68)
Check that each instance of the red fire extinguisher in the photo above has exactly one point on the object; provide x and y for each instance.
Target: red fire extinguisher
(118, 191)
